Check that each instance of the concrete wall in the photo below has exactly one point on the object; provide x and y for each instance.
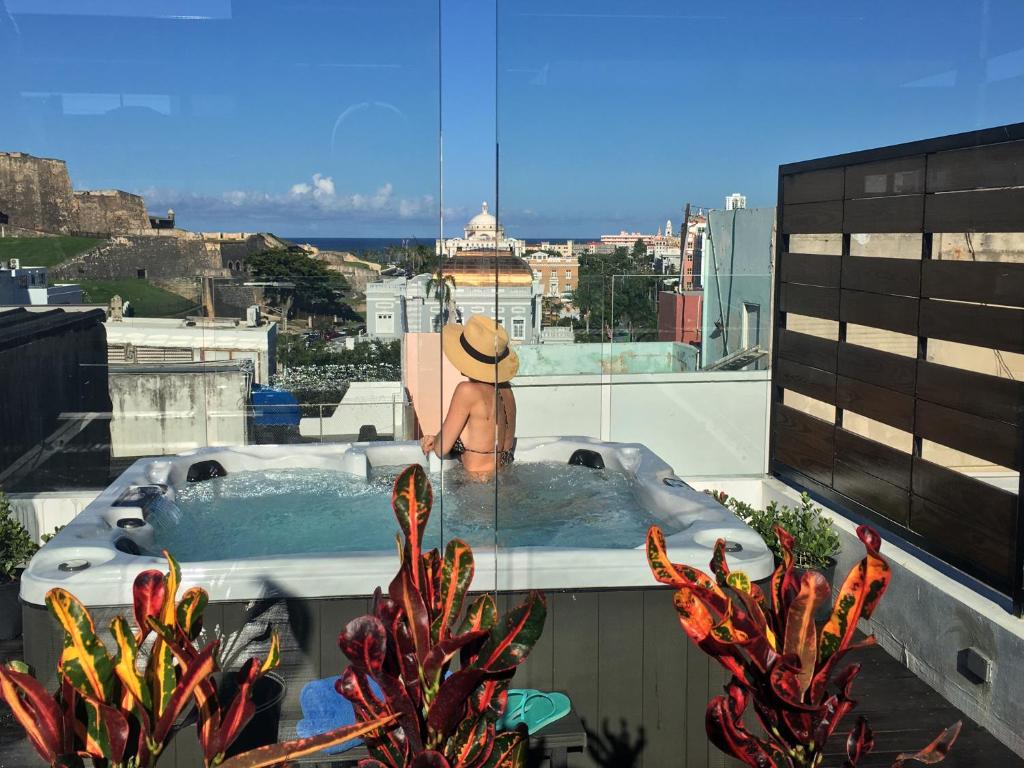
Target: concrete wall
(35, 193)
(159, 410)
(110, 211)
(380, 404)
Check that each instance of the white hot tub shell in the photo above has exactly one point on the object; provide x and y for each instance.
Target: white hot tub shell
(89, 556)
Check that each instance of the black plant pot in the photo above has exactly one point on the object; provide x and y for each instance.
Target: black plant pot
(829, 572)
(10, 610)
(267, 694)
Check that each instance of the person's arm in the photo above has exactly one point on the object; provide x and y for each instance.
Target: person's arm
(454, 423)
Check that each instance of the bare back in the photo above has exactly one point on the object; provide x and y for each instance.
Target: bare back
(481, 418)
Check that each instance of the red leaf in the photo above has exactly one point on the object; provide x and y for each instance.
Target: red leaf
(936, 751)
(364, 641)
(403, 591)
(148, 594)
(801, 638)
(411, 500)
(452, 701)
(729, 735)
(860, 742)
(35, 710)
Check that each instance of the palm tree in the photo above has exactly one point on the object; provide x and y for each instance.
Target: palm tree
(442, 287)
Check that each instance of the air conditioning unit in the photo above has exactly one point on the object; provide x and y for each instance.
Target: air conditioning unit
(14, 264)
(252, 316)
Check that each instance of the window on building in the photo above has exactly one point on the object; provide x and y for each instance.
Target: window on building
(140, 273)
(751, 325)
(385, 322)
(568, 274)
(518, 328)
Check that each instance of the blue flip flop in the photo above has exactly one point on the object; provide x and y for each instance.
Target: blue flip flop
(533, 708)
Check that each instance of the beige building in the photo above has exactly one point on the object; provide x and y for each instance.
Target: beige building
(557, 276)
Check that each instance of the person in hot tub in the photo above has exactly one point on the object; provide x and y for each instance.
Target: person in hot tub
(480, 428)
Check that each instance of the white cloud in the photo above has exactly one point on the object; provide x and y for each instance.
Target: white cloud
(315, 199)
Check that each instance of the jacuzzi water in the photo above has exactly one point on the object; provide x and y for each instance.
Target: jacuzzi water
(301, 511)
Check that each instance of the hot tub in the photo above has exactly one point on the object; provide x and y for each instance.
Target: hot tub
(119, 534)
(611, 639)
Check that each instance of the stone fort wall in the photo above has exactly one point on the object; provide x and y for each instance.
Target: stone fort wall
(110, 210)
(172, 255)
(35, 193)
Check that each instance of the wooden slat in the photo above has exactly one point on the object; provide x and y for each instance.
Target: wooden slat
(809, 300)
(884, 214)
(988, 282)
(901, 176)
(809, 350)
(960, 534)
(877, 367)
(875, 402)
(874, 458)
(893, 313)
(810, 269)
(990, 327)
(976, 393)
(812, 218)
(959, 491)
(665, 674)
(996, 210)
(901, 277)
(997, 165)
(804, 442)
(813, 187)
(884, 498)
(813, 382)
(994, 441)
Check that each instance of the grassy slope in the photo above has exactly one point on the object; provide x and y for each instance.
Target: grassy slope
(147, 299)
(44, 251)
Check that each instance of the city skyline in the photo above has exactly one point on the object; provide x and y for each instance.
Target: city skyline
(607, 119)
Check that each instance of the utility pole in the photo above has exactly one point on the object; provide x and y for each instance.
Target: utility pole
(683, 231)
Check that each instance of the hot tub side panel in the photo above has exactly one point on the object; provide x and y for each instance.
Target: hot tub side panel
(620, 654)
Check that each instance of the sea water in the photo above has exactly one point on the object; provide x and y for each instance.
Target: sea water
(300, 511)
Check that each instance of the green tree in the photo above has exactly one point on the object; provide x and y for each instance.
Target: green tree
(318, 290)
(639, 252)
(618, 290)
(442, 287)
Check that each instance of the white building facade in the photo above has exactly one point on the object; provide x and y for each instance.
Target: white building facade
(735, 201)
(481, 233)
(28, 285)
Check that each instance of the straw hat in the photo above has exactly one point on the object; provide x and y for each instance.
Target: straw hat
(480, 350)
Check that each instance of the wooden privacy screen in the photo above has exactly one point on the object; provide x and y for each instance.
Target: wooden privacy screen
(958, 184)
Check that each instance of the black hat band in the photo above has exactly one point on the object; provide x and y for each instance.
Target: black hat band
(480, 356)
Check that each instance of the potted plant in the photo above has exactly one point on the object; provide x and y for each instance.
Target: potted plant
(815, 541)
(16, 547)
(781, 662)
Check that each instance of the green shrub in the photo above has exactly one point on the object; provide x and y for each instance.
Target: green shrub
(816, 540)
(16, 546)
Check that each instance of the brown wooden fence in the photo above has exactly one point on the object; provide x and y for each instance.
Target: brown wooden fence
(967, 183)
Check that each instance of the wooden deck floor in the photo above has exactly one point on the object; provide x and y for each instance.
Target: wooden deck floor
(904, 713)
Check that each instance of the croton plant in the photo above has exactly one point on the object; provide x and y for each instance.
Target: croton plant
(119, 709)
(408, 642)
(779, 660)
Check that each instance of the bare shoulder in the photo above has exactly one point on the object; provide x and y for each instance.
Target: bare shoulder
(468, 390)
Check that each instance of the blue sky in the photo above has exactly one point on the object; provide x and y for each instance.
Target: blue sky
(320, 117)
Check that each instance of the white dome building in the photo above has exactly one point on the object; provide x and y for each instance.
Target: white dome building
(481, 232)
